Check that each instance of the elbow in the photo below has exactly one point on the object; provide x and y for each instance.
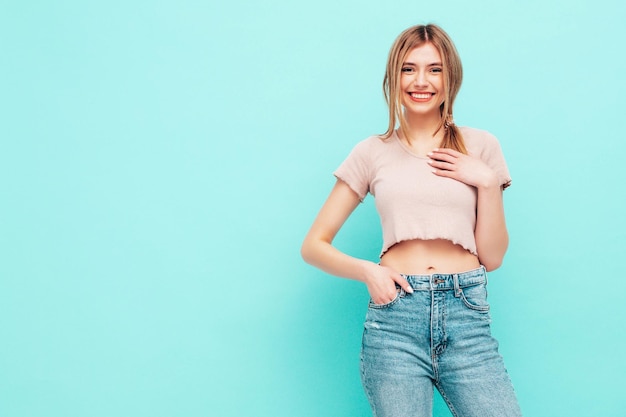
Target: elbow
(306, 252)
(491, 256)
(312, 250)
(492, 264)
(491, 261)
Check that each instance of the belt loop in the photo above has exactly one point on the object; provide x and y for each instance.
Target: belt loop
(485, 274)
(457, 289)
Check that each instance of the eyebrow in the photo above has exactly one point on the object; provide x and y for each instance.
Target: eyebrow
(434, 64)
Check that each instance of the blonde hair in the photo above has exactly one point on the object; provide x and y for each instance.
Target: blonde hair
(453, 75)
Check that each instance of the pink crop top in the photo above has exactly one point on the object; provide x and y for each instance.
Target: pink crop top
(412, 202)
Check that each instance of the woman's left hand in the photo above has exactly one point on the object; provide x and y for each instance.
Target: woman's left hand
(465, 168)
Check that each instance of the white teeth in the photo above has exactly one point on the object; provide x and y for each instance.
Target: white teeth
(420, 95)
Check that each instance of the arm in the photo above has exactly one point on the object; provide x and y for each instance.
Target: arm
(318, 251)
(492, 238)
(491, 235)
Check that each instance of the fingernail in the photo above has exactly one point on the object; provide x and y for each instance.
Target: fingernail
(409, 290)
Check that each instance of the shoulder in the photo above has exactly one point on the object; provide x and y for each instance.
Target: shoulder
(475, 135)
(485, 146)
(375, 141)
(372, 145)
(478, 141)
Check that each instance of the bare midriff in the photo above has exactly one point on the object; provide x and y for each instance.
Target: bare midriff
(425, 257)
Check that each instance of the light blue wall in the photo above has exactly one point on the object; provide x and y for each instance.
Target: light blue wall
(160, 163)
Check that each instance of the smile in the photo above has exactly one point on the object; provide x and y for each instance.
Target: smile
(421, 96)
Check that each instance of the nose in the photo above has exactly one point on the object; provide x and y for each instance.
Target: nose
(420, 79)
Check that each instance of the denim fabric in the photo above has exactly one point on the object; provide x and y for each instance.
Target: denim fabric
(439, 336)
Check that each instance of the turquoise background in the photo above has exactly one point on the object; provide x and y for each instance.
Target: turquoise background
(160, 163)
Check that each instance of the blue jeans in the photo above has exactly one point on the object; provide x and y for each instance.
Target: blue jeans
(438, 336)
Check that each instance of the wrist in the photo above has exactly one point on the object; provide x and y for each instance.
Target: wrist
(490, 183)
(365, 271)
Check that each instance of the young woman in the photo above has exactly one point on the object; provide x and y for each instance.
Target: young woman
(438, 190)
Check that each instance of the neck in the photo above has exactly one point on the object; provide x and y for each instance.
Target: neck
(422, 128)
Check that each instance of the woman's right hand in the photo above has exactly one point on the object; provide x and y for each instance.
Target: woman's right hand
(382, 283)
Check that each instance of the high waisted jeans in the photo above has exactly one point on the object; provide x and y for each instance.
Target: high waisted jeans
(438, 336)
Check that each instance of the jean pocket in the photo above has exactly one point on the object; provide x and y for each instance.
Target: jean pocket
(400, 293)
(475, 297)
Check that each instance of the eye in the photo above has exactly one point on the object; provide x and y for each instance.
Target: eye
(407, 69)
(436, 70)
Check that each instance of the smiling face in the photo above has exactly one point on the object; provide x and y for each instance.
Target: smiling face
(422, 82)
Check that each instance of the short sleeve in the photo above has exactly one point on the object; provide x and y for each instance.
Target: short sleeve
(355, 170)
(492, 155)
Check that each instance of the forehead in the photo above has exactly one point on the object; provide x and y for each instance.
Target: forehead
(424, 54)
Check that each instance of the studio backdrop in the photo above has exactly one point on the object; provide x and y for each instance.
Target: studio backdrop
(161, 162)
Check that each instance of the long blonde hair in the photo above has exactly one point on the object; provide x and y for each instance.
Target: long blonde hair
(453, 75)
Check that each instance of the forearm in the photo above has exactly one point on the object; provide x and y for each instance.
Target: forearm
(492, 238)
(326, 257)
(382, 282)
